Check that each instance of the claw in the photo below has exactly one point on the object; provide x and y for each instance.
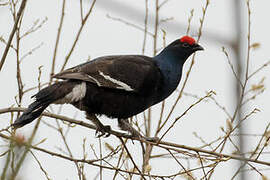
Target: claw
(126, 126)
(96, 132)
(107, 128)
(103, 131)
(100, 135)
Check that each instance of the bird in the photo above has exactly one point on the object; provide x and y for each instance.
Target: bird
(118, 86)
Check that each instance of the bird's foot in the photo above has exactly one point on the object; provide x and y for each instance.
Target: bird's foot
(103, 131)
(126, 126)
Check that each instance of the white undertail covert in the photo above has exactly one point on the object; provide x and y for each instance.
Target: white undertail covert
(77, 93)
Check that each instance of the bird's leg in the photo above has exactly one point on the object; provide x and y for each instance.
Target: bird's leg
(126, 126)
(103, 129)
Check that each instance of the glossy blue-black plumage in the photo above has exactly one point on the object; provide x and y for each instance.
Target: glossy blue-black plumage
(117, 86)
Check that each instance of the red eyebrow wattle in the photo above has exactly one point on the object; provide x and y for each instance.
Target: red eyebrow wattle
(187, 39)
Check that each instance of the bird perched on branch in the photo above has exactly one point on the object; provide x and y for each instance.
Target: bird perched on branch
(116, 86)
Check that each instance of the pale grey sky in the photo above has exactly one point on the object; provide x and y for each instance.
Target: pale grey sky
(103, 36)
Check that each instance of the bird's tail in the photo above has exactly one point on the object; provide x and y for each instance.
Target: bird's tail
(43, 99)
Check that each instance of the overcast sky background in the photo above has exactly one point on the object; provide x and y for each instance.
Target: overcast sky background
(103, 36)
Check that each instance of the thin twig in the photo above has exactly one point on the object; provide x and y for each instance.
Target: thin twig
(118, 134)
(191, 66)
(78, 35)
(19, 14)
(187, 173)
(232, 68)
(34, 27)
(40, 166)
(189, 20)
(132, 160)
(129, 24)
(145, 26)
(57, 40)
(184, 113)
(81, 10)
(259, 69)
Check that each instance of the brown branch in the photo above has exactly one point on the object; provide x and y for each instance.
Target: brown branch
(19, 14)
(189, 20)
(145, 26)
(259, 69)
(29, 146)
(119, 159)
(178, 162)
(231, 66)
(34, 27)
(30, 52)
(57, 39)
(81, 11)
(201, 162)
(40, 166)
(78, 35)
(191, 65)
(60, 130)
(162, 144)
(184, 113)
(132, 160)
(130, 24)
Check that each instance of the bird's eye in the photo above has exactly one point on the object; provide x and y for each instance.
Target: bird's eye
(185, 44)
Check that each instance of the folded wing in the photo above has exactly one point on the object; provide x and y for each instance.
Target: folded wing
(132, 73)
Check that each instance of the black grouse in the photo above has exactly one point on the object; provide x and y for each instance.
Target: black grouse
(115, 86)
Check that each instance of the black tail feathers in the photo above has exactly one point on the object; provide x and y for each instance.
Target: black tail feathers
(43, 98)
(34, 111)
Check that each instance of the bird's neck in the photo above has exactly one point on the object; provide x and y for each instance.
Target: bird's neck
(170, 65)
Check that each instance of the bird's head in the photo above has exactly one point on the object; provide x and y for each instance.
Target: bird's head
(189, 44)
(183, 47)
(186, 44)
(180, 49)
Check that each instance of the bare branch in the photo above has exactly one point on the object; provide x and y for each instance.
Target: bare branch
(19, 14)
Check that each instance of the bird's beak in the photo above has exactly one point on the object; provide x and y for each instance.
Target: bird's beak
(197, 47)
